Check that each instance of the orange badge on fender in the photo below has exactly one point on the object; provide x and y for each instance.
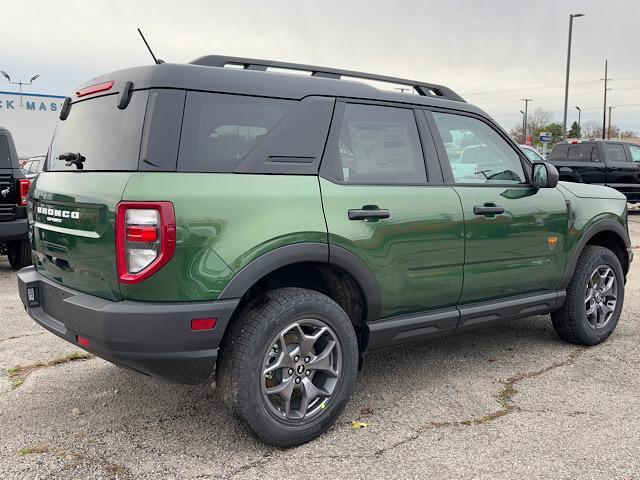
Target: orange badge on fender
(552, 241)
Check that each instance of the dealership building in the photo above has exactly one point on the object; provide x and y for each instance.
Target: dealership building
(31, 118)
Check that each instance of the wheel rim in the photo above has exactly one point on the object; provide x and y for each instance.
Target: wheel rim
(601, 297)
(301, 370)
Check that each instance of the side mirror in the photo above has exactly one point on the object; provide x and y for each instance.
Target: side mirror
(544, 175)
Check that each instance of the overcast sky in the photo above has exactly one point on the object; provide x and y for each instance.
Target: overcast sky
(493, 52)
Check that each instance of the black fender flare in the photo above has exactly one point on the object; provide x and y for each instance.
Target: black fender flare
(593, 230)
(307, 252)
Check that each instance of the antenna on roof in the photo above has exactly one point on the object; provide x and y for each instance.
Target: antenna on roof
(157, 61)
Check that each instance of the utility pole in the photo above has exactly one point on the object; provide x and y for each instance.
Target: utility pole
(609, 129)
(579, 129)
(526, 114)
(604, 110)
(566, 84)
(524, 119)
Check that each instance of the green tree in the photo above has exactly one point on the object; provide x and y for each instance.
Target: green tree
(574, 132)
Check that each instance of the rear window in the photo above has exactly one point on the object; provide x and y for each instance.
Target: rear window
(5, 153)
(559, 152)
(218, 131)
(108, 138)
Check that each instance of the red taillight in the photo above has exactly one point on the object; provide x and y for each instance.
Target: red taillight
(145, 239)
(83, 341)
(100, 87)
(142, 234)
(25, 184)
(203, 323)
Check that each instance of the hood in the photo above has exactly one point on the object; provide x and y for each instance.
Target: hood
(585, 190)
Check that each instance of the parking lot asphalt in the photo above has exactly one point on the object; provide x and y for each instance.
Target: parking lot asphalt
(507, 402)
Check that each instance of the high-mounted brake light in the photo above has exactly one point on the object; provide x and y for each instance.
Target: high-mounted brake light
(100, 87)
(25, 184)
(145, 239)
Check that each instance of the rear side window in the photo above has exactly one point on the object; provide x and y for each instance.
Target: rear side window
(379, 145)
(5, 153)
(108, 138)
(582, 152)
(218, 131)
(615, 152)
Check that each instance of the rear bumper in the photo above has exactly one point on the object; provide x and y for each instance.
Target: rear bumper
(151, 337)
(14, 230)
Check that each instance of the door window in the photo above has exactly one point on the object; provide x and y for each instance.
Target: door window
(379, 145)
(615, 152)
(477, 153)
(635, 153)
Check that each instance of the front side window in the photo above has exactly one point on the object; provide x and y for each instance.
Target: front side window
(379, 145)
(477, 153)
(218, 131)
(615, 152)
(635, 153)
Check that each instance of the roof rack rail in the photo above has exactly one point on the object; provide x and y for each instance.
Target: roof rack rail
(425, 89)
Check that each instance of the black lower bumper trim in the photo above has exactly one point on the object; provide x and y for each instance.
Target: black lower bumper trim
(14, 230)
(152, 337)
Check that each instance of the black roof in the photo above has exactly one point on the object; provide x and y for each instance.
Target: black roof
(207, 74)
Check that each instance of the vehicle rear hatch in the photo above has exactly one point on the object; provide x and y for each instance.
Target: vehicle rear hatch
(8, 185)
(73, 209)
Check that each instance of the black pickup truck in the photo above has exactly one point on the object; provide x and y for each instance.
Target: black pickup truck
(612, 163)
(14, 194)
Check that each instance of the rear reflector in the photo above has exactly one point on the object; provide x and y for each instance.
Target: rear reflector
(25, 184)
(100, 87)
(83, 341)
(203, 323)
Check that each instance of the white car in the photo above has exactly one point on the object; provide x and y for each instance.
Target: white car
(532, 153)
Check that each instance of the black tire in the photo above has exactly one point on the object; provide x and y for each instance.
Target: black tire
(19, 254)
(570, 321)
(250, 339)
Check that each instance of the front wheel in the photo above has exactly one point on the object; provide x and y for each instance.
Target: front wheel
(288, 365)
(19, 254)
(594, 298)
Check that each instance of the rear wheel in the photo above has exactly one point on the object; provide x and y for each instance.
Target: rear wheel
(288, 365)
(594, 299)
(19, 254)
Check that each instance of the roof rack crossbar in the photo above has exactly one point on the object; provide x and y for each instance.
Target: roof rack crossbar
(422, 88)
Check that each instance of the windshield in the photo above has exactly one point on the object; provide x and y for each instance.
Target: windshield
(107, 137)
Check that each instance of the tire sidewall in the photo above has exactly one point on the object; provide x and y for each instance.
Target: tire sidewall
(264, 422)
(601, 257)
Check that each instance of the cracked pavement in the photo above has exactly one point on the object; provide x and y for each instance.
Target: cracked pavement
(506, 402)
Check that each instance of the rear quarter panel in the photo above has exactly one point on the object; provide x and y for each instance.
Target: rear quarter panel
(224, 221)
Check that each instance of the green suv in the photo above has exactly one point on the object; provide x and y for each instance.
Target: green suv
(270, 227)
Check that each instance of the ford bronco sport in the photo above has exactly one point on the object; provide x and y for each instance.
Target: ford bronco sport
(269, 228)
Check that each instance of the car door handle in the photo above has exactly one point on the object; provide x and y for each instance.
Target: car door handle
(368, 214)
(488, 209)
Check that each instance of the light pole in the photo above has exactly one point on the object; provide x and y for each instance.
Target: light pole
(21, 83)
(566, 85)
(526, 114)
(579, 130)
(524, 119)
(604, 112)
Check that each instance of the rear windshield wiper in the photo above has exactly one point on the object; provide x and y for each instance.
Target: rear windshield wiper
(71, 158)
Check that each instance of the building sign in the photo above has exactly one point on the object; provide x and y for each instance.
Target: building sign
(31, 118)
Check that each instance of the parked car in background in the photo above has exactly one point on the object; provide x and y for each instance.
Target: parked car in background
(532, 153)
(612, 163)
(14, 193)
(33, 166)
